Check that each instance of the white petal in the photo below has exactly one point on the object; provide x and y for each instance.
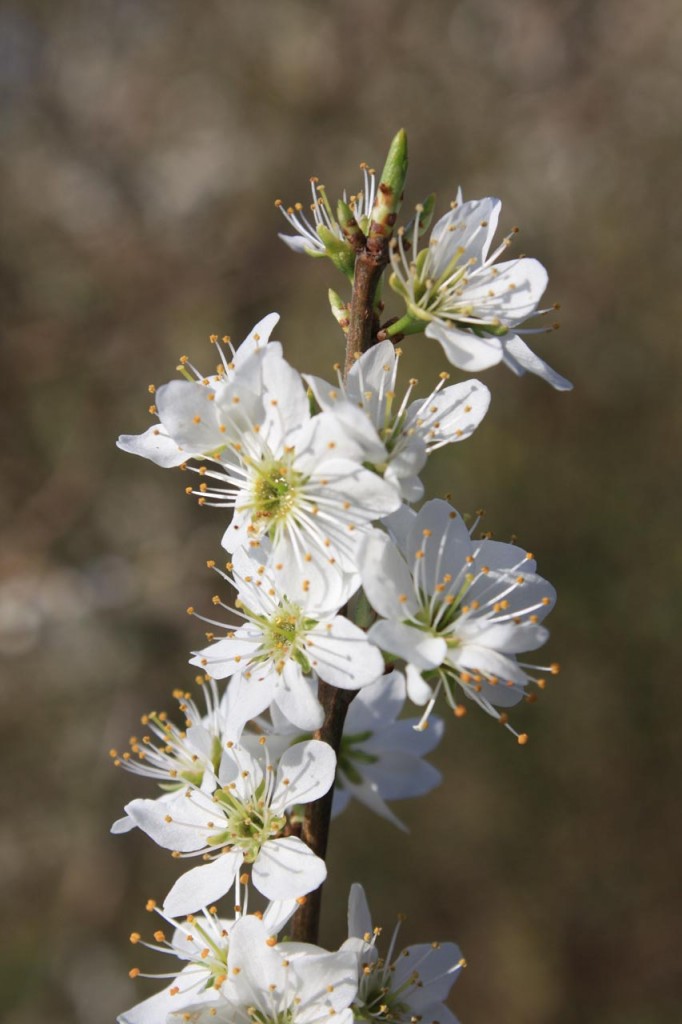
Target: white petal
(188, 412)
(415, 646)
(325, 979)
(507, 637)
(341, 654)
(359, 918)
(441, 534)
(377, 705)
(418, 690)
(287, 868)
(386, 579)
(248, 698)
(308, 769)
(403, 737)
(228, 655)
(154, 444)
(257, 339)
(285, 401)
(518, 356)
(398, 775)
(439, 966)
(122, 825)
(372, 370)
(367, 793)
(498, 666)
(451, 415)
(469, 227)
(240, 770)
(518, 286)
(296, 700)
(202, 886)
(255, 964)
(277, 913)
(176, 825)
(399, 524)
(157, 1007)
(465, 349)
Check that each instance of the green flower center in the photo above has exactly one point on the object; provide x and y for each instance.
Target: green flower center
(379, 1002)
(275, 490)
(248, 825)
(258, 1017)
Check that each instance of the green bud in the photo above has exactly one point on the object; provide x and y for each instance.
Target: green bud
(339, 309)
(352, 231)
(390, 191)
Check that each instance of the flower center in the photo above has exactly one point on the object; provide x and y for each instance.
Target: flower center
(259, 1017)
(275, 490)
(248, 825)
(380, 1002)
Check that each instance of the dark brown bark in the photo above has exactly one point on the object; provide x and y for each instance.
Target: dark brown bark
(364, 325)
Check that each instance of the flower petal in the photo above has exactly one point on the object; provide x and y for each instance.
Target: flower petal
(465, 349)
(305, 773)
(341, 654)
(202, 886)
(521, 359)
(386, 579)
(154, 444)
(287, 868)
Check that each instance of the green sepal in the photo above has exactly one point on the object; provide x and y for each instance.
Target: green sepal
(352, 231)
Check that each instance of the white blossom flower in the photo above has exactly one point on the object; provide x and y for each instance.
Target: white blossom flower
(399, 988)
(308, 238)
(405, 432)
(175, 756)
(283, 640)
(280, 984)
(474, 307)
(288, 476)
(242, 819)
(201, 942)
(458, 610)
(182, 433)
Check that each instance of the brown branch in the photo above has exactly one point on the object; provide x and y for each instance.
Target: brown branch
(362, 334)
(315, 831)
(364, 322)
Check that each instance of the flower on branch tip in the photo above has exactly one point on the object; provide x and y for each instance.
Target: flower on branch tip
(240, 817)
(399, 987)
(404, 432)
(323, 235)
(456, 609)
(474, 307)
(285, 638)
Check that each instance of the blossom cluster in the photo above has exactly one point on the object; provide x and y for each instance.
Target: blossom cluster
(331, 579)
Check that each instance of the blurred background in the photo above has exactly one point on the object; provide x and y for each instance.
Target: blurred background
(143, 144)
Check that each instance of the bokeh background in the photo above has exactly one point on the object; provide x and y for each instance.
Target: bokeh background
(143, 143)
